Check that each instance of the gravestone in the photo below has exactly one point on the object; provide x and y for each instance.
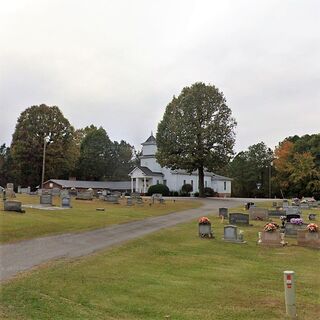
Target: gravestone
(276, 213)
(271, 239)
(239, 218)
(291, 229)
(24, 190)
(304, 205)
(46, 199)
(84, 195)
(285, 203)
(66, 202)
(312, 216)
(258, 213)
(15, 206)
(230, 234)
(223, 212)
(64, 193)
(157, 197)
(308, 239)
(139, 200)
(292, 210)
(112, 198)
(10, 191)
(205, 230)
(129, 201)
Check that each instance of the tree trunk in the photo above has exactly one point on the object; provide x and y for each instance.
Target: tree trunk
(201, 182)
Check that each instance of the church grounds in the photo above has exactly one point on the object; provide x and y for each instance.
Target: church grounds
(82, 216)
(171, 274)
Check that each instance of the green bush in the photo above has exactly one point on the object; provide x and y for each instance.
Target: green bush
(158, 188)
(186, 188)
(196, 194)
(208, 192)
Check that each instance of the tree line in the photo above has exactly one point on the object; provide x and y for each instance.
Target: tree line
(196, 133)
(87, 153)
(292, 169)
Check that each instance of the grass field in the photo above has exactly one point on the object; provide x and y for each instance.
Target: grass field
(171, 274)
(83, 216)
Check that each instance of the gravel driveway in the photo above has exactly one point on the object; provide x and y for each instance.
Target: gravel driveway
(21, 256)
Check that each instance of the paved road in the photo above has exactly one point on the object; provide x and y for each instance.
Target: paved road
(21, 256)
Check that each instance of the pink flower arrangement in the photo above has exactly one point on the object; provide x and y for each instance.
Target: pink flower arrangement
(297, 221)
(270, 227)
(204, 220)
(312, 227)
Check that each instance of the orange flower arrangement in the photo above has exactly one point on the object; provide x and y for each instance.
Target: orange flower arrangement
(204, 220)
(312, 227)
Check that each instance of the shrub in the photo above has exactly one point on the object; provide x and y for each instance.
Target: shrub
(196, 194)
(208, 192)
(158, 188)
(186, 188)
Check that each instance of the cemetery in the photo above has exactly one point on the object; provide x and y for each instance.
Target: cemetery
(154, 264)
(47, 214)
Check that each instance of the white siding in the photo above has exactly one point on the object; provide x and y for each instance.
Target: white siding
(149, 150)
(151, 163)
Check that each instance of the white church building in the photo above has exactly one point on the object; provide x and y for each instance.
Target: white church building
(149, 173)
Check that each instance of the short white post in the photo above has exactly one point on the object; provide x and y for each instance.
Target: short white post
(289, 293)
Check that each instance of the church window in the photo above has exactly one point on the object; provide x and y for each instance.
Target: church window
(225, 185)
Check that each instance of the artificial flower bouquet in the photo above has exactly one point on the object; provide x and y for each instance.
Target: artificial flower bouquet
(296, 221)
(204, 220)
(312, 227)
(270, 227)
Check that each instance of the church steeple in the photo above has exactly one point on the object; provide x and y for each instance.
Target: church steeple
(150, 141)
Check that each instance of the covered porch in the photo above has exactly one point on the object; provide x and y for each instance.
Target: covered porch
(141, 184)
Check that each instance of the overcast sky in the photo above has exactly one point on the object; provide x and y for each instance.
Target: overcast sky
(117, 64)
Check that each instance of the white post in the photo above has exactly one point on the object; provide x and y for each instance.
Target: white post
(289, 293)
(131, 185)
(144, 185)
(137, 185)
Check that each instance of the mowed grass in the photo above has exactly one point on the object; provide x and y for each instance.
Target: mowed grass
(82, 216)
(171, 274)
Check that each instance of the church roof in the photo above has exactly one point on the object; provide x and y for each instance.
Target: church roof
(147, 171)
(150, 140)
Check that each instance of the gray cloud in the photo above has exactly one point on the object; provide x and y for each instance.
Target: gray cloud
(118, 63)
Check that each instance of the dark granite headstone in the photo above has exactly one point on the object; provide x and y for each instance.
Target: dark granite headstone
(15, 206)
(66, 202)
(276, 213)
(239, 218)
(46, 199)
(312, 216)
(223, 212)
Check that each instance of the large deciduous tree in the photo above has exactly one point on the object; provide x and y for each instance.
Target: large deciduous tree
(196, 132)
(33, 126)
(297, 165)
(95, 155)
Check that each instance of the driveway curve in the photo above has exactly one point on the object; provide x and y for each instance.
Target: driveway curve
(24, 255)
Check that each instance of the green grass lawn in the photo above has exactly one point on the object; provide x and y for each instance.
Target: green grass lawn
(83, 216)
(171, 274)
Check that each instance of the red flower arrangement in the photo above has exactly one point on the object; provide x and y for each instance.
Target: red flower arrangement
(270, 227)
(312, 227)
(204, 220)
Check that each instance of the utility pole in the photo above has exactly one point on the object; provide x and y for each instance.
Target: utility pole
(43, 160)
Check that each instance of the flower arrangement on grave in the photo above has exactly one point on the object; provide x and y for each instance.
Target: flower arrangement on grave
(296, 221)
(270, 227)
(204, 220)
(312, 227)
